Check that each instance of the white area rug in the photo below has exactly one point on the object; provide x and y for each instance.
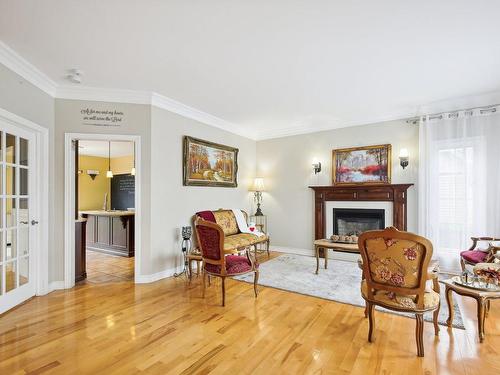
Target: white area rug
(340, 282)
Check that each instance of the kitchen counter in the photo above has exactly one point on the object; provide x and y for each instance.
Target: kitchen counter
(108, 213)
(110, 232)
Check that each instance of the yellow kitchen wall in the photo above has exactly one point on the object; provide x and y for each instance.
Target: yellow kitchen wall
(91, 192)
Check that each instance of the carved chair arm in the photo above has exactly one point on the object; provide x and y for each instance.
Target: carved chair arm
(475, 240)
(434, 276)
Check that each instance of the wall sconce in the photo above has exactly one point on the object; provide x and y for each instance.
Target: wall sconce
(403, 158)
(92, 173)
(316, 166)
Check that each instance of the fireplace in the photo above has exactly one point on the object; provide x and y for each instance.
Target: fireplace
(393, 194)
(354, 221)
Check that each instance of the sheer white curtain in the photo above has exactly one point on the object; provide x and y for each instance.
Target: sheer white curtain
(459, 180)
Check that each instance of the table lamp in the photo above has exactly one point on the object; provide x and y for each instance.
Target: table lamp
(258, 188)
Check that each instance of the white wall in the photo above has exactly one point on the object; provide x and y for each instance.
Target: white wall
(137, 119)
(286, 165)
(173, 204)
(20, 97)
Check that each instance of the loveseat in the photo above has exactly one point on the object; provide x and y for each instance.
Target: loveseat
(234, 240)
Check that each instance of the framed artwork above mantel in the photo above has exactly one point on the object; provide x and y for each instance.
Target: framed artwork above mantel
(207, 163)
(367, 165)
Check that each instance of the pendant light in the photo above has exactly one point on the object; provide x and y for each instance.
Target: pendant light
(109, 173)
(132, 172)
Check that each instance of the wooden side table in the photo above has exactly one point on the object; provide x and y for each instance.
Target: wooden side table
(482, 298)
(335, 246)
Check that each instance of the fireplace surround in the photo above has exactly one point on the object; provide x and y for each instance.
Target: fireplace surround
(395, 193)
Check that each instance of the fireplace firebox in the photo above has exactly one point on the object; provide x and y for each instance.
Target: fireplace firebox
(354, 221)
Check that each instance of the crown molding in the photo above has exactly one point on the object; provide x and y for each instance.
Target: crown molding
(338, 124)
(99, 94)
(179, 108)
(13, 61)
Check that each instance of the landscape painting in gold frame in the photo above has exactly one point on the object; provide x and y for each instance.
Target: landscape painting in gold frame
(362, 165)
(209, 164)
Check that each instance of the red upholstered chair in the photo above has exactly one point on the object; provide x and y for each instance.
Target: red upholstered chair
(216, 262)
(474, 255)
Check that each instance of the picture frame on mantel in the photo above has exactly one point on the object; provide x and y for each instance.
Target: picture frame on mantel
(367, 165)
(207, 163)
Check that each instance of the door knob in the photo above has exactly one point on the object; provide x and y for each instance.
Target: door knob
(34, 222)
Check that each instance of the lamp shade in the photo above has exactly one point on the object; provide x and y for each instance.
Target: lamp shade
(403, 153)
(258, 184)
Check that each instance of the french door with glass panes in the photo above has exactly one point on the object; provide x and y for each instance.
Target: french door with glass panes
(17, 228)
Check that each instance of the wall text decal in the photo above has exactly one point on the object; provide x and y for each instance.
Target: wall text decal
(99, 117)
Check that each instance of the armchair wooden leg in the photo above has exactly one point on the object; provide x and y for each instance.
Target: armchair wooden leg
(462, 264)
(203, 276)
(366, 309)
(435, 316)
(419, 334)
(267, 249)
(371, 319)
(255, 279)
(223, 291)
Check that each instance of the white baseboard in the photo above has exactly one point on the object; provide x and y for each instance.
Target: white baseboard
(144, 279)
(56, 285)
(336, 255)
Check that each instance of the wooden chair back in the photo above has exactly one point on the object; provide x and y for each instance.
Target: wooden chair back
(210, 238)
(395, 261)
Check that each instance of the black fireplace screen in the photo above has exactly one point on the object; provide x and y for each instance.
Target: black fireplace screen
(354, 221)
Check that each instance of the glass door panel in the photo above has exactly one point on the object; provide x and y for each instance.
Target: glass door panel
(16, 281)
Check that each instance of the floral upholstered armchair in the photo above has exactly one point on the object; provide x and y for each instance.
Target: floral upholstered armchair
(395, 270)
(476, 255)
(216, 261)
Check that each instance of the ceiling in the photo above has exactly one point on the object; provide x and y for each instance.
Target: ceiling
(269, 68)
(100, 148)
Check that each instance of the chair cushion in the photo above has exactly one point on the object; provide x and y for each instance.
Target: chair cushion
(227, 221)
(237, 241)
(473, 256)
(391, 299)
(234, 264)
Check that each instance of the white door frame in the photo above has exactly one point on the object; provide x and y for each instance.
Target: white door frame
(69, 200)
(40, 211)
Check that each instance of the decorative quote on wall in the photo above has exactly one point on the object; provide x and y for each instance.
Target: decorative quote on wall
(102, 117)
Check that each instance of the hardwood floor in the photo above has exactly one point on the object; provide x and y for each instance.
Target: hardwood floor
(166, 327)
(104, 268)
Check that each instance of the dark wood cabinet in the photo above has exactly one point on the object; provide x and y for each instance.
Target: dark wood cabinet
(111, 234)
(80, 248)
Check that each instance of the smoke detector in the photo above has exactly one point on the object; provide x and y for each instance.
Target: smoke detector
(75, 75)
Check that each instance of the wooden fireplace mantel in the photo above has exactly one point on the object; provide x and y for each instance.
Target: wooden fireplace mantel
(395, 193)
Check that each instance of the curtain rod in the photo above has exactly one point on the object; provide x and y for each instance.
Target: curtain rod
(484, 109)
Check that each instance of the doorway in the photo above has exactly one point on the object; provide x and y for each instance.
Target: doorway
(102, 220)
(105, 206)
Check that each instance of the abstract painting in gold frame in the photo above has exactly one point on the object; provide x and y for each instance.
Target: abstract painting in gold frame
(362, 165)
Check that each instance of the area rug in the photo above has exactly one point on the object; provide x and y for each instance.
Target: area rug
(340, 283)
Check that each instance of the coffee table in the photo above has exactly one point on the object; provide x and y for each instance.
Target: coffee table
(482, 298)
(335, 246)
